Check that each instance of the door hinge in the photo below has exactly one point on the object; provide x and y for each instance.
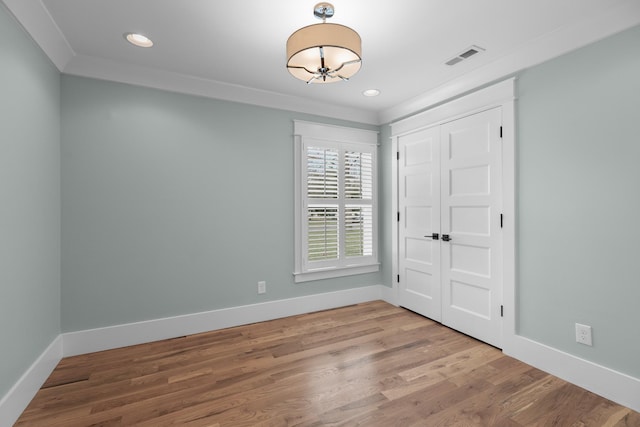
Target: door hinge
(502, 311)
(398, 278)
(398, 216)
(500, 131)
(501, 220)
(398, 155)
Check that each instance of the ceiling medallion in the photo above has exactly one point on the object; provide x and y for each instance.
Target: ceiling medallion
(324, 53)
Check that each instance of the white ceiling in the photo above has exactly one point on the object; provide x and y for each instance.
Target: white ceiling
(235, 50)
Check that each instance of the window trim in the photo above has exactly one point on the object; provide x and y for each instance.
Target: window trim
(342, 137)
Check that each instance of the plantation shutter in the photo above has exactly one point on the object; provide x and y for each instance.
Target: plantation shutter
(358, 218)
(339, 200)
(337, 216)
(323, 170)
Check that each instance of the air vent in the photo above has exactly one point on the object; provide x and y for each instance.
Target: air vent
(468, 53)
(465, 54)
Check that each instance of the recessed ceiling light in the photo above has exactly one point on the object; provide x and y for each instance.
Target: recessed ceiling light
(371, 92)
(138, 40)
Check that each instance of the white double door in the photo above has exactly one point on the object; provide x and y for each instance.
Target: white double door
(449, 236)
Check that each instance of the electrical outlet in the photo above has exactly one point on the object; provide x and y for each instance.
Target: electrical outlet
(583, 334)
(262, 287)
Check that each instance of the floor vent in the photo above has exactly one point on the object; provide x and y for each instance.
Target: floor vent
(465, 54)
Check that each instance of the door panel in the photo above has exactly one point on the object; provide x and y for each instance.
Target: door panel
(419, 206)
(418, 283)
(449, 183)
(473, 220)
(472, 260)
(470, 206)
(418, 217)
(474, 299)
(418, 250)
(467, 181)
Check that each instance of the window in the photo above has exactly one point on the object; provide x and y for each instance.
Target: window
(336, 201)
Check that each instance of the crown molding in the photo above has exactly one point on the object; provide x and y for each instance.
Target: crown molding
(99, 68)
(35, 18)
(38, 23)
(565, 39)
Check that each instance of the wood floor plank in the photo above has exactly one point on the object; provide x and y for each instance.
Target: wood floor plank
(631, 419)
(368, 364)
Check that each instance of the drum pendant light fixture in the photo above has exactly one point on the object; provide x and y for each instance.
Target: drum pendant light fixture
(324, 53)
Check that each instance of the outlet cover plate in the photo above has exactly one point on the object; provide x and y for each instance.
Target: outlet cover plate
(262, 287)
(583, 334)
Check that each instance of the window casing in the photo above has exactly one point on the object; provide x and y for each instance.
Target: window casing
(335, 201)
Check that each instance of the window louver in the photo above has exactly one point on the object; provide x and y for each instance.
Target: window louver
(358, 175)
(358, 231)
(322, 233)
(322, 173)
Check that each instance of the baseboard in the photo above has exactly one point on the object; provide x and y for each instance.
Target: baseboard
(613, 385)
(388, 294)
(18, 397)
(74, 343)
(99, 339)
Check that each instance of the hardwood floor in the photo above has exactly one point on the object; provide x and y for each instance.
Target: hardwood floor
(370, 364)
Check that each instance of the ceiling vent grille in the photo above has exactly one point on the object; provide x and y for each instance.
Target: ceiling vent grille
(465, 54)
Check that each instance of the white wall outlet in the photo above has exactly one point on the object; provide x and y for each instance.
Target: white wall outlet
(583, 334)
(262, 287)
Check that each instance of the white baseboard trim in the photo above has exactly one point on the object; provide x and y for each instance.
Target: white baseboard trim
(613, 385)
(74, 343)
(99, 339)
(18, 397)
(388, 294)
(603, 381)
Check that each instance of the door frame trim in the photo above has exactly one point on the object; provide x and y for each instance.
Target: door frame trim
(501, 95)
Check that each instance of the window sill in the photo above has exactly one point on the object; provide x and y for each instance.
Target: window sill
(330, 273)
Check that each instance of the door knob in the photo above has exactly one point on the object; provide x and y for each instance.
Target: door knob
(434, 236)
(446, 238)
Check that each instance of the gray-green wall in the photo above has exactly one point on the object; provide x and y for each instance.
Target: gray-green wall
(29, 201)
(578, 201)
(174, 204)
(578, 191)
(159, 191)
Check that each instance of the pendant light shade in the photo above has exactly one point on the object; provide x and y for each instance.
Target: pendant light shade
(324, 53)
